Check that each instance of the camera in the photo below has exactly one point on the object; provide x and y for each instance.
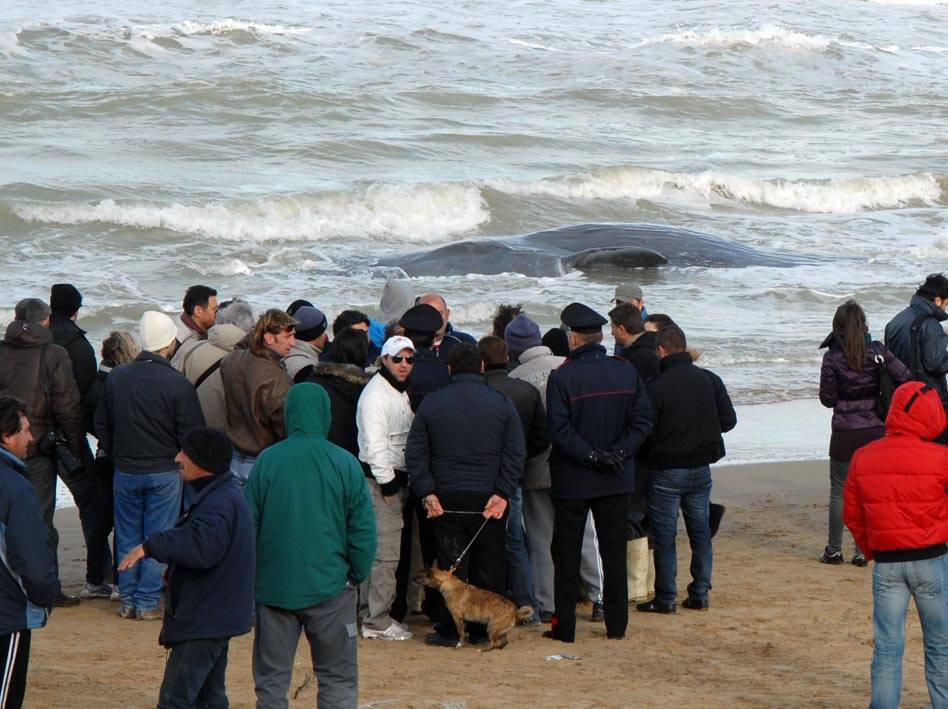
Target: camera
(54, 444)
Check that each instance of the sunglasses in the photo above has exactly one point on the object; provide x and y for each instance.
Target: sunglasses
(397, 359)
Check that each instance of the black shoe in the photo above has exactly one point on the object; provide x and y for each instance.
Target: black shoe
(545, 616)
(655, 607)
(440, 640)
(859, 560)
(835, 558)
(551, 634)
(64, 601)
(597, 615)
(615, 637)
(696, 604)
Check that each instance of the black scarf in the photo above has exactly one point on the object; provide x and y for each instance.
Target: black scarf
(390, 378)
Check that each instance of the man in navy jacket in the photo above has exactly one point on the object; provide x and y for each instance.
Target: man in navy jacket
(210, 557)
(598, 414)
(28, 583)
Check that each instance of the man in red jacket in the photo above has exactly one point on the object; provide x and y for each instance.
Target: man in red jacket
(896, 506)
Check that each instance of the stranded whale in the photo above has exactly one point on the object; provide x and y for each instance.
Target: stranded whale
(586, 247)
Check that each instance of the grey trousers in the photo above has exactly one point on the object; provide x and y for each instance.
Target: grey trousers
(538, 524)
(839, 471)
(378, 591)
(330, 630)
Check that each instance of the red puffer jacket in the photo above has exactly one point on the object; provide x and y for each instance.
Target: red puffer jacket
(896, 495)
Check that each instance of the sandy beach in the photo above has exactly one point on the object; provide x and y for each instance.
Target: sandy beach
(783, 630)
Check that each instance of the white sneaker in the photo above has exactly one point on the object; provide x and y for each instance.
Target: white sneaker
(393, 632)
(116, 594)
(103, 590)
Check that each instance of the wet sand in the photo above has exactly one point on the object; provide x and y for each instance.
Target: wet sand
(783, 630)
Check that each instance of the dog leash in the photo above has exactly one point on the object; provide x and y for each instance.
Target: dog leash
(455, 565)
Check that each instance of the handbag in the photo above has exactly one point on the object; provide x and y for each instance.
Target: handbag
(886, 387)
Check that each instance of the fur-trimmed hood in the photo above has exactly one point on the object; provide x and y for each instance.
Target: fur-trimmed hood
(348, 372)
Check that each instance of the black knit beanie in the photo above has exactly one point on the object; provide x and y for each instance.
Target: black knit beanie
(209, 448)
(65, 299)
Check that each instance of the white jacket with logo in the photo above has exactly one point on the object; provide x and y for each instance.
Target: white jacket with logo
(384, 417)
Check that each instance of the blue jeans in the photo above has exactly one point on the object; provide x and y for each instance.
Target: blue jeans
(892, 585)
(519, 569)
(144, 504)
(689, 489)
(241, 465)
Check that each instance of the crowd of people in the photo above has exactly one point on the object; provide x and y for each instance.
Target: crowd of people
(261, 474)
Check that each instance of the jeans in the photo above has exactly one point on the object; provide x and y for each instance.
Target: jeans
(839, 470)
(194, 675)
(144, 504)
(689, 489)
(241, 465)
(892, 584)
(519, 570)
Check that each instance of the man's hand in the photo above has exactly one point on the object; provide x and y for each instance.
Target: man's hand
(132, 558)
(495, 507)
(432, 505)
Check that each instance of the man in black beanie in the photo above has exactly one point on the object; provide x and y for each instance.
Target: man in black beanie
(210, 557)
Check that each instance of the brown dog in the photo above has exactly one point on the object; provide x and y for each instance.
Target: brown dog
(475, 605)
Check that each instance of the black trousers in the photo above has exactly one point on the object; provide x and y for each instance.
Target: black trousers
(413, 513)
(195, 675)
(483, 565)
(97, 557)
(15, 660)
(638, 503)
(610, 515)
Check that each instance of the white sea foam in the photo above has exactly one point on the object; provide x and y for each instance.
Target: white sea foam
(765, 34)
(909, 2)
(841, 195)
(404, 213)
(10, 43)
(938, 249)
(532, 45)
(230, 25)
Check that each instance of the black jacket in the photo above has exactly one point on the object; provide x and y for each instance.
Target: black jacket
(72, 338)
(93, 398)
(428, 374)
(147, 408)
(452, 338)
(526, 399)
(27, 564)
(642, 355)
(465, 438)
(210, 557)
(594, 403)
(690, 410)
(344, 384)
(931, 357)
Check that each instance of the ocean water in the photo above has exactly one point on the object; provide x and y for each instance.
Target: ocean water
(275, 149)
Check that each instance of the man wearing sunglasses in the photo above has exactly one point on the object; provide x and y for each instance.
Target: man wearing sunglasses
(384, 418)
(255, 387)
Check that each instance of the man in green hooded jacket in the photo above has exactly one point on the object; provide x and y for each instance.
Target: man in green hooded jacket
(315, 545)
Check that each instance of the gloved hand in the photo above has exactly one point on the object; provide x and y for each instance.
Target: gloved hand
(611, 461)
(593, 459)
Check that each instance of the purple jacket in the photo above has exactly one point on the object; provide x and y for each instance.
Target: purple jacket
(852, 395)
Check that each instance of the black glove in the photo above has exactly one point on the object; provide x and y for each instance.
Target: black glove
(592, 460)
(611, 462)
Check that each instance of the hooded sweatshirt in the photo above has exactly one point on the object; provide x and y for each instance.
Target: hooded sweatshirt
(311, 506)
(895, 501)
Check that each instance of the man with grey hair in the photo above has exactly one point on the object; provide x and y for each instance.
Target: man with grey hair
(447, 338)
(201, 365)
(39, 373)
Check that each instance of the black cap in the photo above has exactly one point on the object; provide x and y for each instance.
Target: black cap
(422, 318)
(65, 299)
(582, 318)
(209, 448)
(296, 305)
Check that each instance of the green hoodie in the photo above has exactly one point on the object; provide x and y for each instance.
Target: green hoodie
(312, 508)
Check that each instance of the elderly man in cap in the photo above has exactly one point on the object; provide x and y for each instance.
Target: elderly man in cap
(210, 557)
(39, 373)
(255, 388)
(598, 414)
(384, 418)
(446, 338)
(422, 324)
(147, 409)
(311, 342)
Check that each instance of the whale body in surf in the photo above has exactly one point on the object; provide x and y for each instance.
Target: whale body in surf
(587, 248)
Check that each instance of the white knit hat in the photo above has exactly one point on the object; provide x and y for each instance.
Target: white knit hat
(156, 331)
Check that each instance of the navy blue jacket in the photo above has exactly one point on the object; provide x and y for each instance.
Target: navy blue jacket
(146, 410)
(428, 374)
(210, 553)
(452, 338)
(594, 403)
(932, 354)
(28, 581)
(466, 437)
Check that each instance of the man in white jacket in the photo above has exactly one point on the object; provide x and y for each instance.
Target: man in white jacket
(384, 417)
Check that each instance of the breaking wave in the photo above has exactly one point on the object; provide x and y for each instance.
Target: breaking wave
(764, 35)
